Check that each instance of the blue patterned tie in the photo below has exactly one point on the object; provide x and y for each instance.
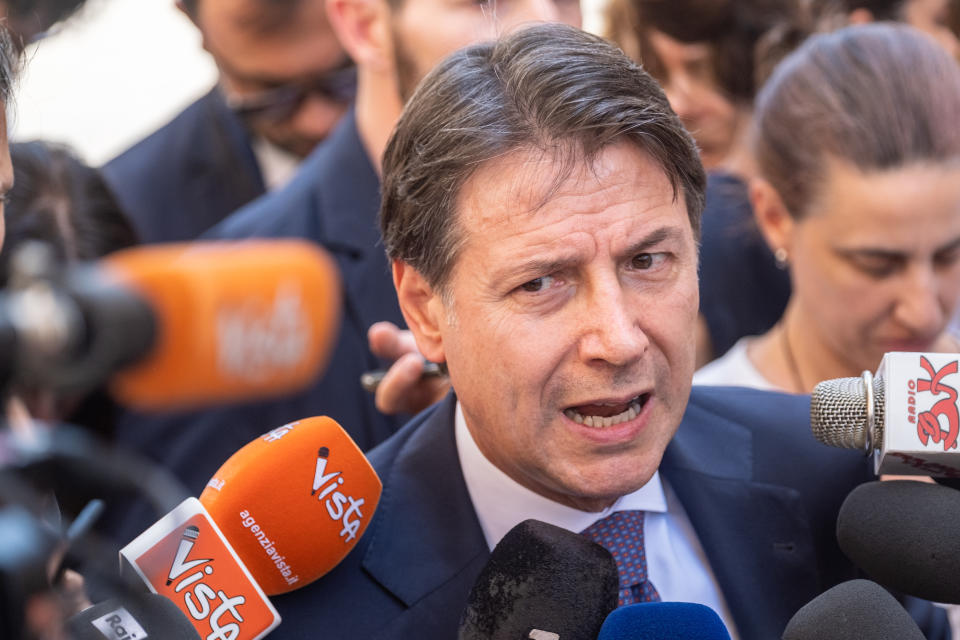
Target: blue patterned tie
(621, 533)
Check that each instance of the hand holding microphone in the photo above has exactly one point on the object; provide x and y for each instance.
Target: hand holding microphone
(411, 384)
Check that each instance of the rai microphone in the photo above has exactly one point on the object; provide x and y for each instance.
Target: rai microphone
(281, 512)
(906, 416)
(541, 583)
(176, 326)
(664, 621)
(899, 532)
(135, 616)
(851, 611)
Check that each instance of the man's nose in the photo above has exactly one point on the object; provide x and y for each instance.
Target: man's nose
(680, 95)
(611, 330)
(918, 306)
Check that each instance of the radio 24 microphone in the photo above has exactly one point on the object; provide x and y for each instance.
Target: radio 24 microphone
(541, 583)
(663, 621)
(174, 326)
(280, 513)
(907, 415)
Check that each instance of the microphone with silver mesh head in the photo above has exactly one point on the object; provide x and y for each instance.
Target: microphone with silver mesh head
(906, 416)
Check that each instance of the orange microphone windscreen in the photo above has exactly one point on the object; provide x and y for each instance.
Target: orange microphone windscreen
(235, 320)
(294, 502)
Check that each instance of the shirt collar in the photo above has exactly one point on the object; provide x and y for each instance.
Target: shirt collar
(502, 503)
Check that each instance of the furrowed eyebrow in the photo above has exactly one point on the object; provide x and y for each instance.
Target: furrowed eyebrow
(652, 240)
(535, 267)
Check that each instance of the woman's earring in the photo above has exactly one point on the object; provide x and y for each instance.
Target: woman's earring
(782, 258)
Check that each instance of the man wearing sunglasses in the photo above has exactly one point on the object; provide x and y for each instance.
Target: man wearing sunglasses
(284, 82)
(333, 200)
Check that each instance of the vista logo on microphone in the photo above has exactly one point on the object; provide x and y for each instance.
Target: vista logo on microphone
(185, 557)
(929, 425)
(326, 483)
(294, 502)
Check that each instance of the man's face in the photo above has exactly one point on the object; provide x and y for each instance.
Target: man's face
(253, 62)
(685, 71)
(427, 31)
(568, 328)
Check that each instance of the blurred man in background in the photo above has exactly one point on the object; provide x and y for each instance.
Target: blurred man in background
(333, 200)
(284, 82)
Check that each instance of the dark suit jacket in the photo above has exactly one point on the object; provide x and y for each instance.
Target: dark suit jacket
(333, 200)
(187, 176)
(761, 493)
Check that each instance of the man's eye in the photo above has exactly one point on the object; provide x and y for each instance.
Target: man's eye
(642, 261)
(537, 284)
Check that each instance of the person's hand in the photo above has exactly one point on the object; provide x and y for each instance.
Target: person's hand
(402, 390)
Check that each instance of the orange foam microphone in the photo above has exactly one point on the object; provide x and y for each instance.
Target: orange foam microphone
(280, 513)
(234, 320)
(294, 502)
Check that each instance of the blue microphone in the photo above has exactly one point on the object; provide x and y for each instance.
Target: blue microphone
(663, 621)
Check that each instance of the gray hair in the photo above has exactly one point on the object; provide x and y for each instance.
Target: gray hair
(550, 88)
(9, 63)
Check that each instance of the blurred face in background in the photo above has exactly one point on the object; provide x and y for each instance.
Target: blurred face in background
(686, 73)
(426, 31)
(933, 18)
(875, 262)
(281, 68)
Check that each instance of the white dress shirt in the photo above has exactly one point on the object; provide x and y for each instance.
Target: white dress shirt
(277, 166)
(676, 563)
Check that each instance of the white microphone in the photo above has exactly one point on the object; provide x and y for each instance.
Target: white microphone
(906, 415)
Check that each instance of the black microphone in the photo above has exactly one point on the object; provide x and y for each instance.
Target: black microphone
(899, 532)
(851, 611)
(663, 621)
(544, 583)
(132, 617)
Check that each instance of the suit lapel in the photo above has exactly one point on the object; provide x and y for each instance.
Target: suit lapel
(425, 486)
(756, 536)
(224, 169)
(349, 203)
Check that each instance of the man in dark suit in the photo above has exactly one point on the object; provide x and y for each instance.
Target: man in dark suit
(541, 205)
(284, 82)
(333, 200)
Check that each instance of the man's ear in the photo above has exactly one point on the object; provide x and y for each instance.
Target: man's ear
(422, 308)
(363, 28)
(773, 219)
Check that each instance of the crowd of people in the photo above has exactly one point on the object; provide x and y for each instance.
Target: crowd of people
(632, 254)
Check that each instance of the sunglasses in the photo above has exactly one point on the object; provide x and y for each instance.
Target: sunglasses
(275, 105)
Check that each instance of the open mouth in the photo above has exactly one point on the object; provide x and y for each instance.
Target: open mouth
(604, 415)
